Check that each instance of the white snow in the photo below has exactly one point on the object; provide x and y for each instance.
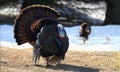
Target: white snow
(7, 38)
(102, 38)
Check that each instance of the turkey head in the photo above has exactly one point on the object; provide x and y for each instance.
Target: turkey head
(38, 25)
(52, 42)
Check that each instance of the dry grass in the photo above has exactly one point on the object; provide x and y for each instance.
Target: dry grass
(15, 60)
(117, 61)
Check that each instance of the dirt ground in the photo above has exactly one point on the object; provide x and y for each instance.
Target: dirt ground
(20, 60)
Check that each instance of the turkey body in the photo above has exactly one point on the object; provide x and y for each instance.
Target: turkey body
(49, 43)
(85, 30)
(38, 25)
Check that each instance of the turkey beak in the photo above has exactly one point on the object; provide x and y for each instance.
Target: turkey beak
(61, 30)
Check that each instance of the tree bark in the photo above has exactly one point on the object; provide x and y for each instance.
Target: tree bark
(112, 12)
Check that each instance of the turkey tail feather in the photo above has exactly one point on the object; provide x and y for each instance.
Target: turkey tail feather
(25, 24)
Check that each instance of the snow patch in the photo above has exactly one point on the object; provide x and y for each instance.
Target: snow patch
(102, 38)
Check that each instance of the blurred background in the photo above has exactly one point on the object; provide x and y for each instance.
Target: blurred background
(102, 15)
(73, 12)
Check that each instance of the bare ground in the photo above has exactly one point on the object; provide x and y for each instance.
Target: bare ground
(20, 60)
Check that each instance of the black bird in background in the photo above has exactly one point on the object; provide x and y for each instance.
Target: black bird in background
(38, 25)
(85, 30)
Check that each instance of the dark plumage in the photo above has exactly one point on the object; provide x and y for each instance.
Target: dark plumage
(38, 25)
(85, 30)
(50, 42)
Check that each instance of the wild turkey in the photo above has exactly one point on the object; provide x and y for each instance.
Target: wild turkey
(85, 30)
(38, 25)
